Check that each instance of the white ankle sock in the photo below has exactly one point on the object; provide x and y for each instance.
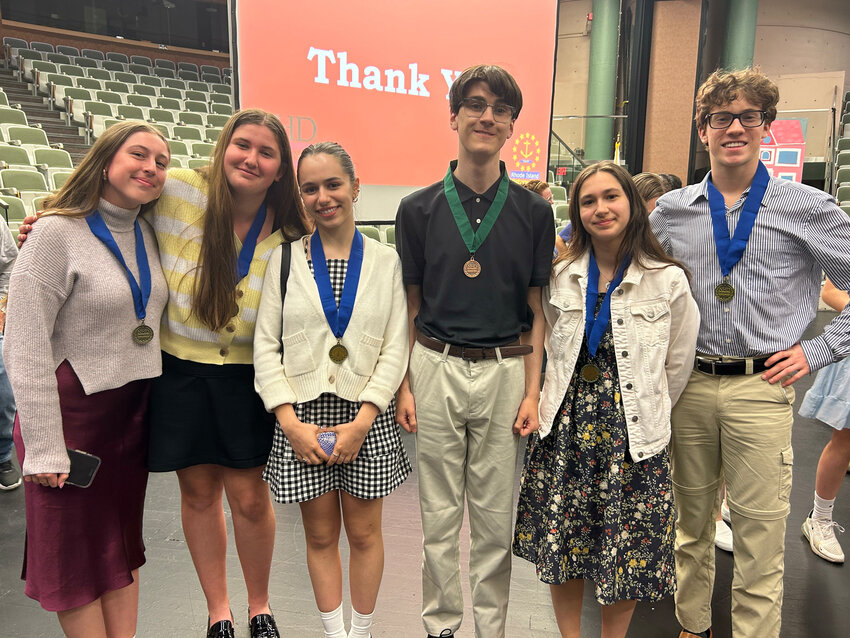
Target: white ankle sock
(823, 508)
(361, 624)
(333, 623)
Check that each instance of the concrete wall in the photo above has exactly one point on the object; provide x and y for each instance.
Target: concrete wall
(571, 70)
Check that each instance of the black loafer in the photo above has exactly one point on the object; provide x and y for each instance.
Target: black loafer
(446, 633)
(264, 626)
(221, 629)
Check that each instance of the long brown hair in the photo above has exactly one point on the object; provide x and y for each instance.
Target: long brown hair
(81, 193)
(639, 242)
(214, 298)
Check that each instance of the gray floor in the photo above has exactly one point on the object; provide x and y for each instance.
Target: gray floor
(817, 593)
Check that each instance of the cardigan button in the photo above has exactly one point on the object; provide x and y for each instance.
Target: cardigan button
(619, 322)
(650, 314)
(230, 327)
(640, 455)
(619, 291)
(634, 419)
(223, 352)
(239, 294)
(628, 386)
(331, 379)
(625, 353)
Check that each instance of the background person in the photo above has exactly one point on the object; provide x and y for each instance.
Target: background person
(337, 277)
(89, 274)
(828, 401)
(10, 476)
(596, 500)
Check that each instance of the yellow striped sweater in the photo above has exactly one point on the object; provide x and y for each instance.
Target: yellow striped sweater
(178, 220)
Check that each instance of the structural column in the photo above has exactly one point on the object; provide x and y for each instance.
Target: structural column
(740, 34)
(602, 79)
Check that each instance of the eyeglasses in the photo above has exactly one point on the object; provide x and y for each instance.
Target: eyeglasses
(748, 119)
(476, 108)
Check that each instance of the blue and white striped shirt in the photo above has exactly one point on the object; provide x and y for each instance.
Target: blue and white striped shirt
(799, 231)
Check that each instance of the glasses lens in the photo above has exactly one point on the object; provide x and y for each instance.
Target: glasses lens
(475, 107)
(752, 118)
(719, 120)
(502, 112)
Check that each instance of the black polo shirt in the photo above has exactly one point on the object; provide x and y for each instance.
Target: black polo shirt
(492, 309)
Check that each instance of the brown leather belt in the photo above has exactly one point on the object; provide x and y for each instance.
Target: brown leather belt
(470, 353)
(729, 366)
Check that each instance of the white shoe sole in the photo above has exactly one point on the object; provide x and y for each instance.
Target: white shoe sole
(807, 532)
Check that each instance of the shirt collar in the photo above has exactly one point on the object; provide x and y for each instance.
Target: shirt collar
(701, 191)
(465, 193)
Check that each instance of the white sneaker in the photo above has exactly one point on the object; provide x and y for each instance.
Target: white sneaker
(724, 512)
(723, 536)
(821, 537)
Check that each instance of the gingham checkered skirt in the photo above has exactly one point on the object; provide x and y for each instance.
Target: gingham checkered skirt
(380, 466)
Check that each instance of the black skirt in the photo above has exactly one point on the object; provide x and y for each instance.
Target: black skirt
(205, 413)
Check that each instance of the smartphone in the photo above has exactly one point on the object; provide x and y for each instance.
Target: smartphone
(83, 468)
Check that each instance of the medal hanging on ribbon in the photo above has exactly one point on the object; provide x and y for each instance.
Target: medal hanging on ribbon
(730, 250)
(141, 290)
(338, 318)
(471, 238)
(246, 254)
(595, 323)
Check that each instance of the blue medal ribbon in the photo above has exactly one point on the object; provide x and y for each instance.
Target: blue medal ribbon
(729, 251)
(338, 318)
(141, 290)
(595, 326)
(243, 264)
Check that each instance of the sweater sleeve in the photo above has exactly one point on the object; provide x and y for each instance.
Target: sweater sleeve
(40, 284)
(269, 378)
(392, 361)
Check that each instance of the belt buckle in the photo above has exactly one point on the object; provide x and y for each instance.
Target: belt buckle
(479, 352)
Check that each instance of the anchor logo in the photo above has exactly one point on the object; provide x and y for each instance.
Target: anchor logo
(526, 156)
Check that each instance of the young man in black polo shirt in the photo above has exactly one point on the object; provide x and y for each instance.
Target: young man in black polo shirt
(476, 249)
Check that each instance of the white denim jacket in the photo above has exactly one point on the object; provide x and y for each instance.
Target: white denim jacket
(654, 321)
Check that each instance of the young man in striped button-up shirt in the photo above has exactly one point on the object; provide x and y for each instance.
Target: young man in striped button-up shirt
(756, 246)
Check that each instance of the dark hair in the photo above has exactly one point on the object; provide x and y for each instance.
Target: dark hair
(673, 181)
(723, 87)
(639, 242)
(214, 299)
(334, 150)
(650, 185)
(497, 79)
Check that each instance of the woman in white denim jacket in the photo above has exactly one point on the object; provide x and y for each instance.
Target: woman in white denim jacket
(596, 498)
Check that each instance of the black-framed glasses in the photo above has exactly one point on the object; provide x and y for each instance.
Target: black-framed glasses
(476, 106)
(724, 119)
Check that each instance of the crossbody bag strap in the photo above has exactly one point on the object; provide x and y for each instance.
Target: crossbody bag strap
(285, 258)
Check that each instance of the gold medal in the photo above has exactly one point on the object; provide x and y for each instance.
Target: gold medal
(724, 291)
(589, 372)
(472, 268)
(142, 334)
(338, 353)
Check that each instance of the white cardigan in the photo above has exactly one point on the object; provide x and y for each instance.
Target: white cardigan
(376, 337)
(654, 321)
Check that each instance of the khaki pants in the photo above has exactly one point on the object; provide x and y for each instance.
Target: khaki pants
(465, 446)
(737, 428)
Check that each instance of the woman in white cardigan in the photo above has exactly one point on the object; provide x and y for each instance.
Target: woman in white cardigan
(328, 359)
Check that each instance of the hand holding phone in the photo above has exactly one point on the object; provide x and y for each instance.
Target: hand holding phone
(83, 468)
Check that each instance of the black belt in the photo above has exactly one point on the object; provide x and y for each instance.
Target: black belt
(471, 353)
(724, 366)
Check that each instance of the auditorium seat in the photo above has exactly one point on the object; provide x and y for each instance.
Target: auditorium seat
(138, 69)
(195, 106)
(217, 119)
(87, 63)
(117, 87)
(44, 47)
(165, 74)
(188, 75)
(170, 92)
(221, 98)
(66, 49)
(131, 112)
(14, 210)
(24, 184)
(114, 56)
(139, 100)
(223, 109)
(559, 193)
(109, 97)
(58, 58)
(188, 133)
(191, 117)
(73, 71)
(188, 66)
(99, 74)
(145, 89)
(113, 65)
(161, 63)
(150, 80)
(174, 83)
(141, 59)
(88, 83)
(15, 157)
(370, 231)
(94, 54)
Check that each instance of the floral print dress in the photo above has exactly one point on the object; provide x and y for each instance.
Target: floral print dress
(586, 509)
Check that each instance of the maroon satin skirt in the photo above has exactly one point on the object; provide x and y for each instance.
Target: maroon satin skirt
(84, 542)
